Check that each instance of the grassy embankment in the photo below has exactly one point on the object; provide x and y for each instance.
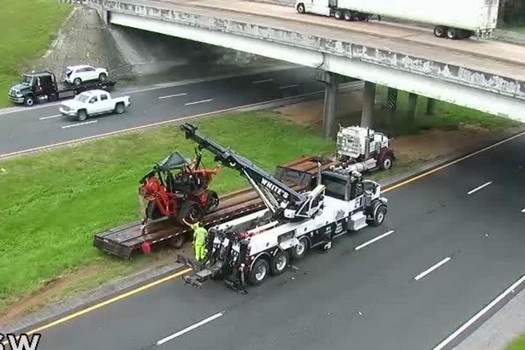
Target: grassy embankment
(54, 202)
(27, 27)
(517, 344)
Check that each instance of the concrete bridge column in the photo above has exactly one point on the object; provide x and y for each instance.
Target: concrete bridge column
(369, 97)
(431, 106)
(412, 105)
(331, 82)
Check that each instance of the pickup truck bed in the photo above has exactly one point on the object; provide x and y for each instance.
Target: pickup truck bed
(125, 240)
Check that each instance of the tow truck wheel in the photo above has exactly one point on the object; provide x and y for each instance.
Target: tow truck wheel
(379, 215)
(299, 251)
(259, 272)
(28, 101)
(279, 263)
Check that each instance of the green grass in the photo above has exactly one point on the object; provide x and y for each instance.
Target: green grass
(53, 203)
(27, 27)
(517, 344)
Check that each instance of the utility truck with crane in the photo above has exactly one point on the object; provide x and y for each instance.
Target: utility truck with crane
(451, 19)
(249, 248)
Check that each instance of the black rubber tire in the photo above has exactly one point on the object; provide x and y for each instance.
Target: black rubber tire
(348, 16)
(452, 33)
(300, 8)
(176, 241)
(213, 201)
(261, 265)
(29, 101)
(77, 81)
(119, 108)
(338, 14)
(279, 262)
(191, 212)
(440, 31)
(386, 162)
(103, 77)
(82, 115)
(379, 215)
(299, 251)
(154, 210)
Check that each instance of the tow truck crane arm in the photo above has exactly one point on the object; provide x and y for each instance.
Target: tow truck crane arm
(277, 196)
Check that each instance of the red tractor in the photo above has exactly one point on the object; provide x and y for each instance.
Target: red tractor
(183, 196)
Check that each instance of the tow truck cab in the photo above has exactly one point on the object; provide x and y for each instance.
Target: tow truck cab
(34, 86)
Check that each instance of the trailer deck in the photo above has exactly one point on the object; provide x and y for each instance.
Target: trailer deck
(127, 239)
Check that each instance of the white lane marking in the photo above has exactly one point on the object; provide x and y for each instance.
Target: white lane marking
(50, 117)
(262, 81)
(479, 314)
(190, 328)
(374, 240)
(429, 270)
(479, 187)
(176, 95)
(288, 86)
(196, 102)
(79, 124)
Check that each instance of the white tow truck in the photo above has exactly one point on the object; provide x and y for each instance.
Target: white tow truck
(92, 103)
(250, 248)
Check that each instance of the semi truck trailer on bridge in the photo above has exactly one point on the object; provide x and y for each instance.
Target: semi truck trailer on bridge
(451, 19)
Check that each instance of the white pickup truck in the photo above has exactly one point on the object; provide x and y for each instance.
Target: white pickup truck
(93, 102)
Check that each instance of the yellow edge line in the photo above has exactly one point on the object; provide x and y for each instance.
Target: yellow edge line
(180, 273)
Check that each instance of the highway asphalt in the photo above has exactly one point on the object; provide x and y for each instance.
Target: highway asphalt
(42, 125)
(457, 243)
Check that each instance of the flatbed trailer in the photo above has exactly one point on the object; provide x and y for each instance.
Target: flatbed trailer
(126, 240)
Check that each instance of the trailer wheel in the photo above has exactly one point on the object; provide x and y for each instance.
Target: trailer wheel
(338, 14)
(348, 16)
(176, 242)
(378, 215)
(386, 162)
(119, 108)
(103, 77)
(77, 81)
(452, 33)
(279, 262)
(440, 31)
(299, 251)
(82, 115)
(29, 101)
(259, 272)
(300, 8)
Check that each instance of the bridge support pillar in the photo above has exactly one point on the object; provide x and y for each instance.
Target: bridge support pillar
(331, 82)
(431, 106)
(369, 97)
(412, 105)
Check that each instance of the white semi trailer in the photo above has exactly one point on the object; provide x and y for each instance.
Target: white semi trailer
(453, 19)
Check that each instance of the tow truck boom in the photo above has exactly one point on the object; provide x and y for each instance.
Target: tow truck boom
(281, 200)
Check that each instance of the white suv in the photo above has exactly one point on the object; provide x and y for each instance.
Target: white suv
(78, 74)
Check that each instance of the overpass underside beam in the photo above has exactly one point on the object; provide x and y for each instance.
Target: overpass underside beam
(345, 60)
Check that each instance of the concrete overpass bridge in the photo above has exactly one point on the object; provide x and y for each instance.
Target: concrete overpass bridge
(488, 76)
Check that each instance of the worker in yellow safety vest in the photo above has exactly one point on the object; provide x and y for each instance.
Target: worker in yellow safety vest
(199, 239)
